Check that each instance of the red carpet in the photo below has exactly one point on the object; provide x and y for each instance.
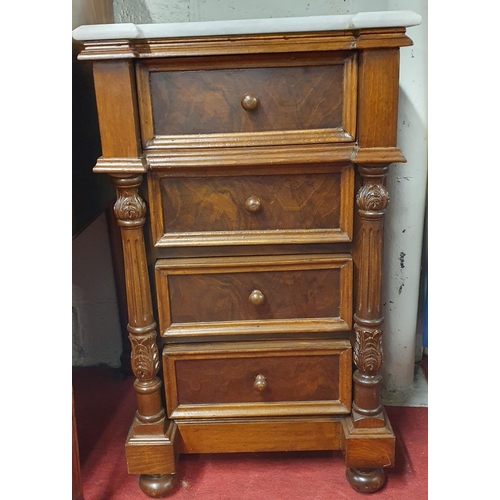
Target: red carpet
(105, 405)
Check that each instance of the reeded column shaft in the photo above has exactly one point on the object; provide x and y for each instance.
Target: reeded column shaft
(372, 198)
(130, 211)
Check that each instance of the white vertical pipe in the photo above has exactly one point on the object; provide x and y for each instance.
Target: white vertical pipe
(407, 184)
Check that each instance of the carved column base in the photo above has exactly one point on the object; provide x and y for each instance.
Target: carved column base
(157, 485)
(156, 428)
(360, 420)
(368, 448)
(366, 480)
(367, 394)
(155, 452)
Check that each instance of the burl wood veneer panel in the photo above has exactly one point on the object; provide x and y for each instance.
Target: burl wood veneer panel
(207, 102)
(230, 380)
(231, 295)
(225, 207)
(287, 294)
(259, 378)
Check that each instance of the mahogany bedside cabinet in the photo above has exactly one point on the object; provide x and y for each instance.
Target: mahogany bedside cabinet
(249, 159)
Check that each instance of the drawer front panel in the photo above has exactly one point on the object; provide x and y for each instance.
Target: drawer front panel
(207, 102)
(268, 378)
(303, 378)
(254, 294)
(222, 99)
(226, 296)
(311, 205)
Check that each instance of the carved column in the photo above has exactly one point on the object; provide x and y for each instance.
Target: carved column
(372, 199)
(130, 211)
(151, 447)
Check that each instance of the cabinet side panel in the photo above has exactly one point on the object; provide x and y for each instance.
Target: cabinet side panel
(117, 107)
(378, 97)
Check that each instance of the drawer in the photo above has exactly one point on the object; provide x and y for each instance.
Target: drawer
(226, 99)
(255, 379)
(254, 206)
(254, 295)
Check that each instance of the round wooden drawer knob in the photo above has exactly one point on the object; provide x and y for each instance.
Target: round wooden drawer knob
(250, 101)
(260, 383)
(253, 204)
(256, 298)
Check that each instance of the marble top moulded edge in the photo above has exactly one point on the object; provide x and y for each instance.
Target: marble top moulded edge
(382, 19)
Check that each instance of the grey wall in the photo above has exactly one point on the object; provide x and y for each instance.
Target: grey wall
(162, 11)
(96, 324)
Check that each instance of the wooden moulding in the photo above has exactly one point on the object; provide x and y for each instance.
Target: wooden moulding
(229, 153)
(120, 166)
(246, 44)
(210, 159)
(260, 435)
(375, 38)
(378, 156)
(108, 50)
(289, 143)
(232, 154)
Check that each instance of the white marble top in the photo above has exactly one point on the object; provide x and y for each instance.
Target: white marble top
(382, 19)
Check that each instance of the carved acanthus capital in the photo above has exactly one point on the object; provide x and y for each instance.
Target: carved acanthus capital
(367, 351)
(145, 359)
(372, 197)
(129, 207)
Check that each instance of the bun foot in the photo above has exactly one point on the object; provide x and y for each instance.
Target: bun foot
(157, 485)
(366, 480)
